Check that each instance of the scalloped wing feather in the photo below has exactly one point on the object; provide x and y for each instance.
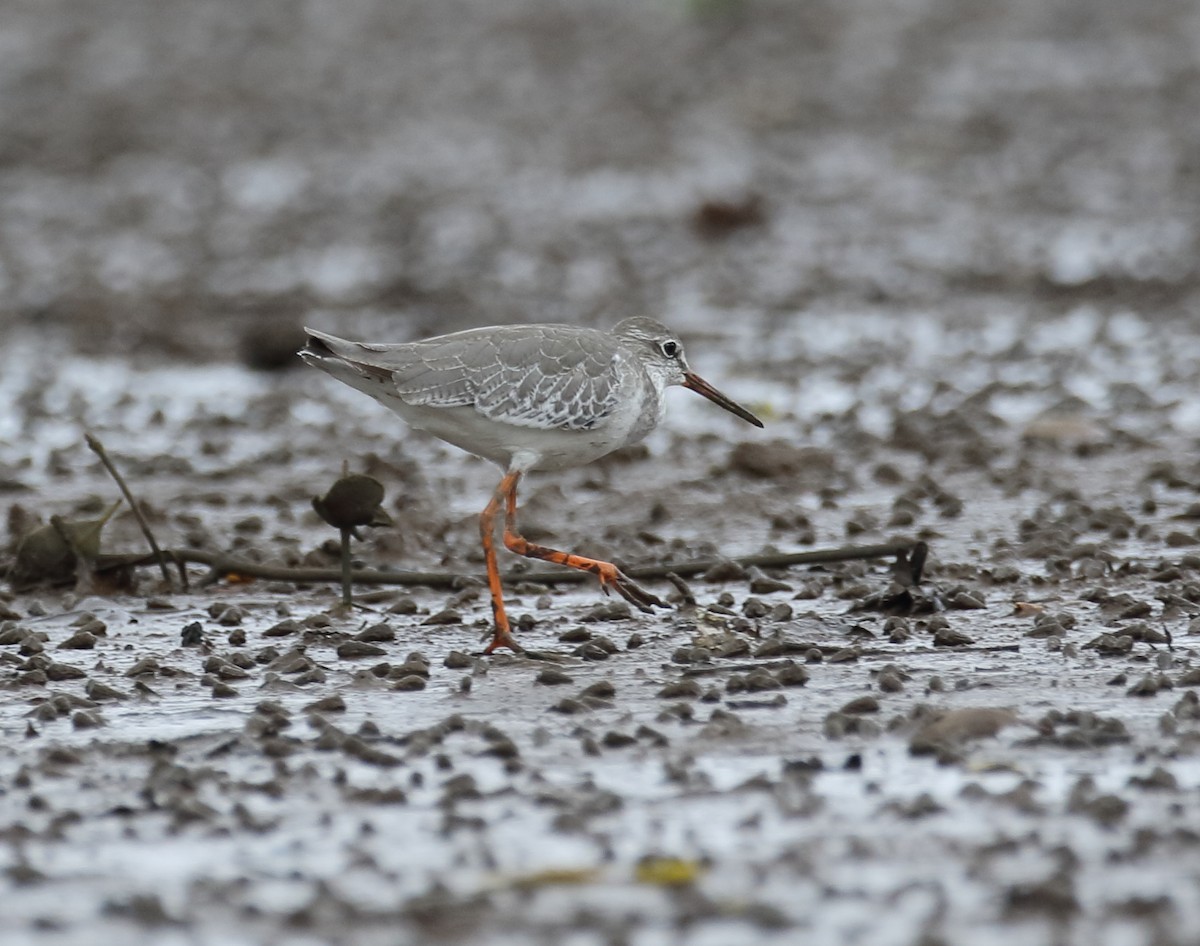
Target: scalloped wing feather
(548, 378)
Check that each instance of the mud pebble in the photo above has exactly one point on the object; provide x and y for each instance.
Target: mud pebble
(777, 647)
(758, 681)
(229, 615)
(145, 665)
(635, 641)
(1053, 897)
(863, 704)
(838, 725)
(552, 676)
(965, 601)
(354, 649)
(690, 655)
(1111, 645)
(600, 690)
(755, 608)
(13, 635)
(774, 702)
(222, 690)
(763, 584)
(897, 630)
(1105, 810)
(59, 672)
(328, 704)
(617, 740)
(955, 727)
(575, 635)
(102, 691)
(45, 712)
(1147, 686)
(457, 660)
(890, 682)
(282, 629)
(680, 689)
(415, 663)
(1159, 780)
(192, 635)
(1046, 628)
(569, 706)
(405, 605)
(362, 750)
(230, 671)
(448, 616)
(590, 651)
(305, 670)
(31, 644)
(732, 647)
(726, 570)
(80, 640)
(792, 675)
(1187, 706)
(92, 625)
(242, 659)
(85, 720)
(609, 611)
(651, 735)
(411, 682)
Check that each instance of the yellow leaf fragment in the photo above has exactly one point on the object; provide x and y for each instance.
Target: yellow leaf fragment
(668, 871)
(556, 877)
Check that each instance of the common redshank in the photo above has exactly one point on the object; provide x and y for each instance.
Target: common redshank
(527, 397)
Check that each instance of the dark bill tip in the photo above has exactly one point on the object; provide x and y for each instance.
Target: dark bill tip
(695, 383)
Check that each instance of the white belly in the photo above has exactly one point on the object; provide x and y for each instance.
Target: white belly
(525, 448)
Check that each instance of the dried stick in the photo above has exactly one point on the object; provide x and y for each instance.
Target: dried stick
(98, 448)
(221, 565)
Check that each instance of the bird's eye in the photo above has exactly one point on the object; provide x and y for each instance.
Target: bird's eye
(670, 349)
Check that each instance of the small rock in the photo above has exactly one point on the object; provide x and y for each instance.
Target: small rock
(377, 633)
(80, 640)
(680, 689)
(864, 704)
(552, 676)
(354, 649)
(949, 638)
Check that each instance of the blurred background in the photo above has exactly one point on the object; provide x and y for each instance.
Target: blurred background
(191, 179)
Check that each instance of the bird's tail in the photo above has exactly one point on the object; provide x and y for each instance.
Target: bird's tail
(347, 361)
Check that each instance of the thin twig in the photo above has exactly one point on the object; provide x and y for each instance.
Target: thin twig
(221, 565)
(347, 579)
(98, 448)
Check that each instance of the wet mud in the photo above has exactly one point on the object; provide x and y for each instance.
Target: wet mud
(946, 251)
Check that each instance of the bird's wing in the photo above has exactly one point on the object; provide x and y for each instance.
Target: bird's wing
(541, 376)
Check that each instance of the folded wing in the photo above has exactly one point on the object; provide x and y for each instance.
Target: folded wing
(527, 376)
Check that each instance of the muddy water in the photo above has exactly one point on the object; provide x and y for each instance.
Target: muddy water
(947, 251)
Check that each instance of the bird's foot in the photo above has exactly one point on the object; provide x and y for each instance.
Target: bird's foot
(504, 638)
(613, 579)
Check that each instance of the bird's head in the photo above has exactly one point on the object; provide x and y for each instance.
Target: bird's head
(661, 352)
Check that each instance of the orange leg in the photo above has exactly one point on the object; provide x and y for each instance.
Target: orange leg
(610, 576)
(487, 531)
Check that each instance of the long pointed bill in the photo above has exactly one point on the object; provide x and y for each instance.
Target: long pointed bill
(694, 382)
